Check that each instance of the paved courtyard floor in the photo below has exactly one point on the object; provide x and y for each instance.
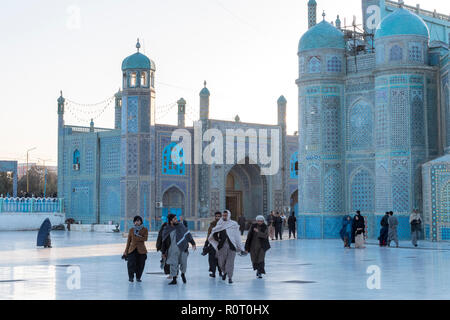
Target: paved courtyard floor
(296, 269)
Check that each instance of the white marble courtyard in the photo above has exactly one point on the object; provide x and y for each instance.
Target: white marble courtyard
(297, 269)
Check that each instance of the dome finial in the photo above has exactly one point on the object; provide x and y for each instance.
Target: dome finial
(204, 83)
(138, 45)
(323, 15)
(401, 3)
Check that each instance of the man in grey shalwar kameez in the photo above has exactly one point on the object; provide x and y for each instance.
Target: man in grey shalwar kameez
(392, 233)
(175, 243)
(226, 240)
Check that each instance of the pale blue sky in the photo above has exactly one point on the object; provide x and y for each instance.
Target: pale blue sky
(245, 49)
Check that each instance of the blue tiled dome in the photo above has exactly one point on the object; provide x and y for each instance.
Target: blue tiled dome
(281, 100)
(138, 61)
(205, 92)
(322, 35)
(402, 22)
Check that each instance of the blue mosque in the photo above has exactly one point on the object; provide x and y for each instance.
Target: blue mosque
(373, 117)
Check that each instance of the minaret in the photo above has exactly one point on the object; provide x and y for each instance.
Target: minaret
(204, 169)
(91, 126)
(204, 103)
(338, 23)
(181, 112)
(118, 109)
(282, 111)
(137, 107)
(284, 152)
(312, 13)
(61, 164)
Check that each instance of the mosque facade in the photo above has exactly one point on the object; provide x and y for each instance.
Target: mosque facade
(111, 175)
(373, 111)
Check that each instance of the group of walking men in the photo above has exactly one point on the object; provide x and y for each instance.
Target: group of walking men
(276, 223)
(389, 228)
(222, 244)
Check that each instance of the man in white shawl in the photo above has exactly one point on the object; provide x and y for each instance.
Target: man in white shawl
(226, 239)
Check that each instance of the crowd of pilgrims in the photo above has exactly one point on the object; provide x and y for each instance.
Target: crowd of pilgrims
(354, 229)
(223, 243)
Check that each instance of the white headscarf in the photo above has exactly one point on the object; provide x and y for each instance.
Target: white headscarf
(260, 218)
(232, 229)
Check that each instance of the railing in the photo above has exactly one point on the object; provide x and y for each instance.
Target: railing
(421, 11)
(55, 205)
(87, 129)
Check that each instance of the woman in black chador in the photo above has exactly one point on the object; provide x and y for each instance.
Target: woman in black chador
(358, 223)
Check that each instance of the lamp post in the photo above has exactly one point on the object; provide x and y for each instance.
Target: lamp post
(27, 166)
(45, 174)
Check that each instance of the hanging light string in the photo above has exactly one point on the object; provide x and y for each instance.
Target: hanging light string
(163, 111)
(86, 112)
(192, 113)
(90, 105)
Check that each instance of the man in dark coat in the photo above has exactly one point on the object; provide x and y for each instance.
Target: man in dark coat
(209, 250)
(292, 220)
(384, 230)
(278, 222)
(257, 244)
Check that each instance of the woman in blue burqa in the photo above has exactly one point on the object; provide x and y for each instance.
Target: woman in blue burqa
(346, 231)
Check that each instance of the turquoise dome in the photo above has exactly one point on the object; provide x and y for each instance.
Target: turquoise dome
(282, 100)
(402, 22)
(138, 61)
(205, 92)
(322, 35)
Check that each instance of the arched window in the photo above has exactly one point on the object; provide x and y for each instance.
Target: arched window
(76, 157)
(173, 160)
(133, 79)
(144, 79)
(334, 65)
(314, 65)
(361, 126)
(396, 53)
(152, 79)
(76, 160)
(294, 166)
(362, 191)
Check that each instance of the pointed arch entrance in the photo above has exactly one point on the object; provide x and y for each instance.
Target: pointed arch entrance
(246, 191)
(173, 202)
